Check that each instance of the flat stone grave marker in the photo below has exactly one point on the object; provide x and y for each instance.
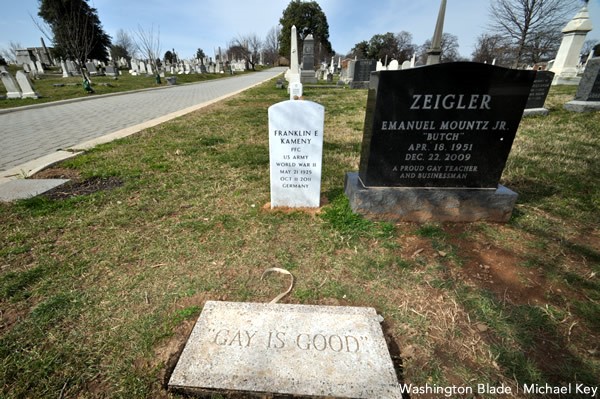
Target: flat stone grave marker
(295, 153)
(317, 351)
(587, 97)
(539, 92)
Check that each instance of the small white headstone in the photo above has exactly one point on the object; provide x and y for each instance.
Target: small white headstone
(406, 65)
(393, 65)
(295, 90)
(12, 89)
(26, 85)
(39, 67)
(295, 153)
(65, 72)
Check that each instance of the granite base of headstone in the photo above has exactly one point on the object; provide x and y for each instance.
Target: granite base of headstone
(308, 77)
(587, 98)
(411, 204)
(539, 92)
(287, 349)
(435, 142)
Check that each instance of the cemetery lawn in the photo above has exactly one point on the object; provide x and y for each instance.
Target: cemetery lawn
(72, 86)
(101, 280)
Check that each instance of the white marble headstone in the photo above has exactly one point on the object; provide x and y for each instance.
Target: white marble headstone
(12, 88)
(26, 85)
(295, 90)
(295, 153)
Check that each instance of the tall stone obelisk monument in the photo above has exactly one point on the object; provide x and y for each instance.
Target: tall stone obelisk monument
(567, 58)
(435, 51)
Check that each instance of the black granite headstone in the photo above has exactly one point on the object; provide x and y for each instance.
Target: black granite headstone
(362, 73)
(539, 89)
(589, 87)
(445, 125)
(363, 69)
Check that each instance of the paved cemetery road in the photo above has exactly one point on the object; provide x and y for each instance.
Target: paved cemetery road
(30, 134)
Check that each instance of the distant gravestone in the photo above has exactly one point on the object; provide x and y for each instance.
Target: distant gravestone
(33, 68)
(295, 89)
(26, 85)
(111, 70)
(436, 140)
(307, 75)
(587, 98)
(72, 68)
(63, 66)
(539, 92)
(39, 67)
(295, 153)
(11, 85)
(394, 66)
(91, 68)
(362, 73)
(300, 350)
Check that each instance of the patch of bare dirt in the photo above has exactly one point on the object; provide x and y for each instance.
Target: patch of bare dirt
(58, 173)
(76, 186)
(497, 270)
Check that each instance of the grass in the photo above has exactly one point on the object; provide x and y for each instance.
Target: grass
(72, 87)
(98, 291)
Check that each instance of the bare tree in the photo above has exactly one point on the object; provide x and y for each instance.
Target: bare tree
(246, 48)
(271, 45)
(449, 47)
(493, 47)
(10, 54)
(123, 46)
(529, 24)
(148, 44)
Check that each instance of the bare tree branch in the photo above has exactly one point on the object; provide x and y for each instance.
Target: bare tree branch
(148, 43)
(531, 25)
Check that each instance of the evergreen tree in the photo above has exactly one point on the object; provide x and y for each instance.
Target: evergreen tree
(76, 29)
(308, 18)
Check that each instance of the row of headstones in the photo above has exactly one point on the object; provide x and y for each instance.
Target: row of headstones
(185, 67)
(394, 65)
(21, 87)
(445, 156)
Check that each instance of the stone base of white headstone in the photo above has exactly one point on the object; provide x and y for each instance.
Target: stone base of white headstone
(408, 204)
(582, 106)
(536, 112)
(295, 153)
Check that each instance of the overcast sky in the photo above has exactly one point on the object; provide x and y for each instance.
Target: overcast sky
(187, 25)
